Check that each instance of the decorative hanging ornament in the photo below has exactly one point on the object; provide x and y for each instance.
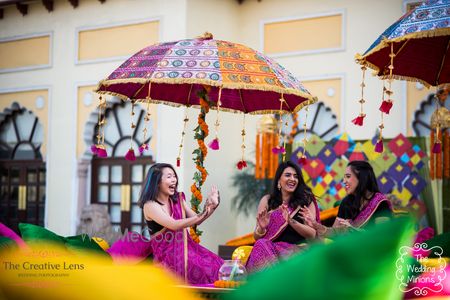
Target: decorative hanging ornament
(386, 104)
(130, 156)
(359, 120)
(242, 163)
(214, 144)
(144, 146)
(99, 149)
(302, 159)
(280, 149)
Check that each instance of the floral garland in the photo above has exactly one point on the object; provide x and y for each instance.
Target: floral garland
(294, 128)
(201, 132)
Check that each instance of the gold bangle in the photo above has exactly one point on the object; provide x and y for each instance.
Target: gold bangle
(260, 234)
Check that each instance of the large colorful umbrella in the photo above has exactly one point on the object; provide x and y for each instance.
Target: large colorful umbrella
(420, 40)
(207, 73)
(248, 81)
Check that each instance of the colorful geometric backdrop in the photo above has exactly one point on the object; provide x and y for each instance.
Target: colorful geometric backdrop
(396, 168)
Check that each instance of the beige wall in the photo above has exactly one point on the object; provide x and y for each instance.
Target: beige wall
(28, 52)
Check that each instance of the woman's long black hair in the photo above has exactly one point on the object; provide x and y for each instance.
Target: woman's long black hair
(367, 184)
(150, 187)
(302, 195)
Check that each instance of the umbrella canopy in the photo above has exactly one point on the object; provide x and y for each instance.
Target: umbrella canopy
(248, 81)
(420, 41)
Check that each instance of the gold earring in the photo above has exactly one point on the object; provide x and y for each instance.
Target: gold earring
(279, 187)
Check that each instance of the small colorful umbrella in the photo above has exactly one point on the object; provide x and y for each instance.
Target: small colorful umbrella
(414, 48)
(206, 73)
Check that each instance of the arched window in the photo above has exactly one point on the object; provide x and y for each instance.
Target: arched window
(117, 182)
(422, 116)
(320, 121)
(22, 170)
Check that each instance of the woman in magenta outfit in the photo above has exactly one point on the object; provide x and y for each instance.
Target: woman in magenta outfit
(169, 217)
(279, 226)
(363, 204)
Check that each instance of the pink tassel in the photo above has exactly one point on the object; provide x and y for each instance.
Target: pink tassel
(241, 164)
(142, 148)
(436, 148)
(359, 120)
(278, 150)
(94, 149)
(130, 155)
(379, 146)
(101, 151)
(214, 145)
(178, 162)
(386, 106)
(302, 160)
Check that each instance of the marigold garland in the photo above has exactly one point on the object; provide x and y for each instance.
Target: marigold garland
(201, 132)
(294, 128)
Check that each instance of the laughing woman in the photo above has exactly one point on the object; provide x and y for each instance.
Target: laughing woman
(168, 218)
(279, 227)
(364, 204)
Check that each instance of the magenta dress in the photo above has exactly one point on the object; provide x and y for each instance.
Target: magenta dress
(369, 210)
(176, 251)
(266, 251)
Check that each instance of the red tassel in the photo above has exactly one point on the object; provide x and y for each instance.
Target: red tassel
(178, 162)
(359, 120)
(386, 106)
(278, 150)
(214, 145)
(302, 160)
(379, 146)
(241, 164)
(436, 148)
(130, 155)
(142, 148)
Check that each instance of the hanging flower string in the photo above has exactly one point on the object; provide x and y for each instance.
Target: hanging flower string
(99, 149)
(183, 133)
(201, 132)
(130, 154)
(242, 163)
(280, 149)
(144, 145)
(359, 120)
(302, 159)
(214, 144)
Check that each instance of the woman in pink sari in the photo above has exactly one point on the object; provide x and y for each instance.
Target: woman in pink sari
(169, 217)
(364, 204)
(280, 228)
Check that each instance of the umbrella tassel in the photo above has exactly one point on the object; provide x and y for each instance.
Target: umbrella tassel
(130, 156)
(214, 144)
(305, 140)
(379, 148)
(280, 149)
(242, 163)
(183, 133)
(432, 156)
(99, 149)
(145, 145)
(359, 120)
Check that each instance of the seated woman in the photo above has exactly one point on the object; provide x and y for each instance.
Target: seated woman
(169, 217)
(279, 228)
(363, 204)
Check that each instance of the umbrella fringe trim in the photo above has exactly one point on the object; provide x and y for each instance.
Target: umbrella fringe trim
(362, 59)
(415, 35)
(233, 86)
(256, 112)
